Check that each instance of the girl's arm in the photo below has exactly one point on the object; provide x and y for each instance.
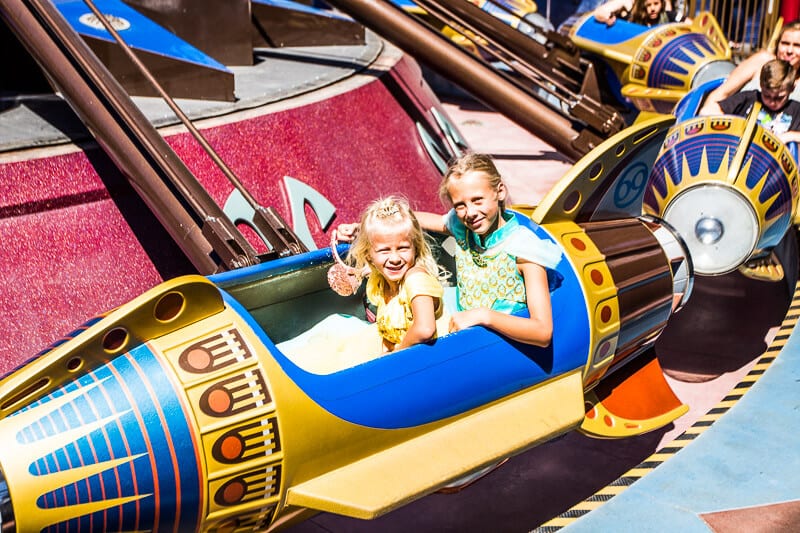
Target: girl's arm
(790, 136)
(536, 330)
(431, 221)
(737, 79)
(423, 326)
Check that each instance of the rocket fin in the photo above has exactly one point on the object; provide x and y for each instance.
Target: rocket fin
(634, 90)
(636, 401)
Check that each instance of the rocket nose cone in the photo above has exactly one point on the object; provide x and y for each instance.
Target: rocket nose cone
(718, 224)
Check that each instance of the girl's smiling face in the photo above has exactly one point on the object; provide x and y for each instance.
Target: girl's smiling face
(391, 252)
(789, 47)
(477, 204)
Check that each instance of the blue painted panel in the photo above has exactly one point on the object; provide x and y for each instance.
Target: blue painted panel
(792, 146)
(138, 31)
(689, 105)
(668, 63)
(405, 4)
(144, 417)
(617, 33)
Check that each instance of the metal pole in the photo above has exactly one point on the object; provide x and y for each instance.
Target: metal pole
(465, 70)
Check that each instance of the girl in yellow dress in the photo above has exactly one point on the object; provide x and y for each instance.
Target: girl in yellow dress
(403, 283)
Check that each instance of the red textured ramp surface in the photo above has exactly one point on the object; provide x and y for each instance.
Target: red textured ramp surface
(775, 518)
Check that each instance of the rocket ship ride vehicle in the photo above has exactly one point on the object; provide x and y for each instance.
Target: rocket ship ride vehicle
(600, 78)
(180, 411)
(726, 184)
(653, 68)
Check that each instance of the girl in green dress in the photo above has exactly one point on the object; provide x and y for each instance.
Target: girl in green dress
(502, 266)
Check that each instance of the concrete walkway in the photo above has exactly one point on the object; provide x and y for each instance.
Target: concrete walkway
(529, 166)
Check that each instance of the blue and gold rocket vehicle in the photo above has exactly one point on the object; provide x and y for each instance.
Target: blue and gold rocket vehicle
(727, 184)
(653, 68)
(180, 411)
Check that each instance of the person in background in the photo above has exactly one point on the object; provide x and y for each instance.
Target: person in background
(746, 75)
(609, 11)
(651, 13)
(778, 113)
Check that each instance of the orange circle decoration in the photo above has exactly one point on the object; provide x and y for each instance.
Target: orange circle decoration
(597, 277)
(232, 447)
(199, 359)
(578, 244)
(219, 401)
(605, 314)
(232, 492)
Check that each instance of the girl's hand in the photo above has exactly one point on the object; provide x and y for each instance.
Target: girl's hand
(471, 317)
(346, 232)
(604, 14)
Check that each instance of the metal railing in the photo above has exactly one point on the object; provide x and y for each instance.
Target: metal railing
(747, 23)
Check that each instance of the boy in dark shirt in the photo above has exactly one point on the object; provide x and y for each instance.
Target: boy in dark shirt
(778, 113)
(781, 116)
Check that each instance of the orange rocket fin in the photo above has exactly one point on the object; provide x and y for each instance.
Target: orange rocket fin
(632, 404)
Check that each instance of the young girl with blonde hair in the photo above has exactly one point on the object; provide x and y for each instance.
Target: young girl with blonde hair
(403, 282)
(502, 266)
(404, 278)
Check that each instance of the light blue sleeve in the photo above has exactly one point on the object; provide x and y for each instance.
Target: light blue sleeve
(524, 244)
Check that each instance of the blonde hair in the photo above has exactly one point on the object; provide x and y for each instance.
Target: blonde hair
(471, 162)
(392, 211)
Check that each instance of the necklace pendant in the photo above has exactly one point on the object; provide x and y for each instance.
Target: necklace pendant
(477, 258)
